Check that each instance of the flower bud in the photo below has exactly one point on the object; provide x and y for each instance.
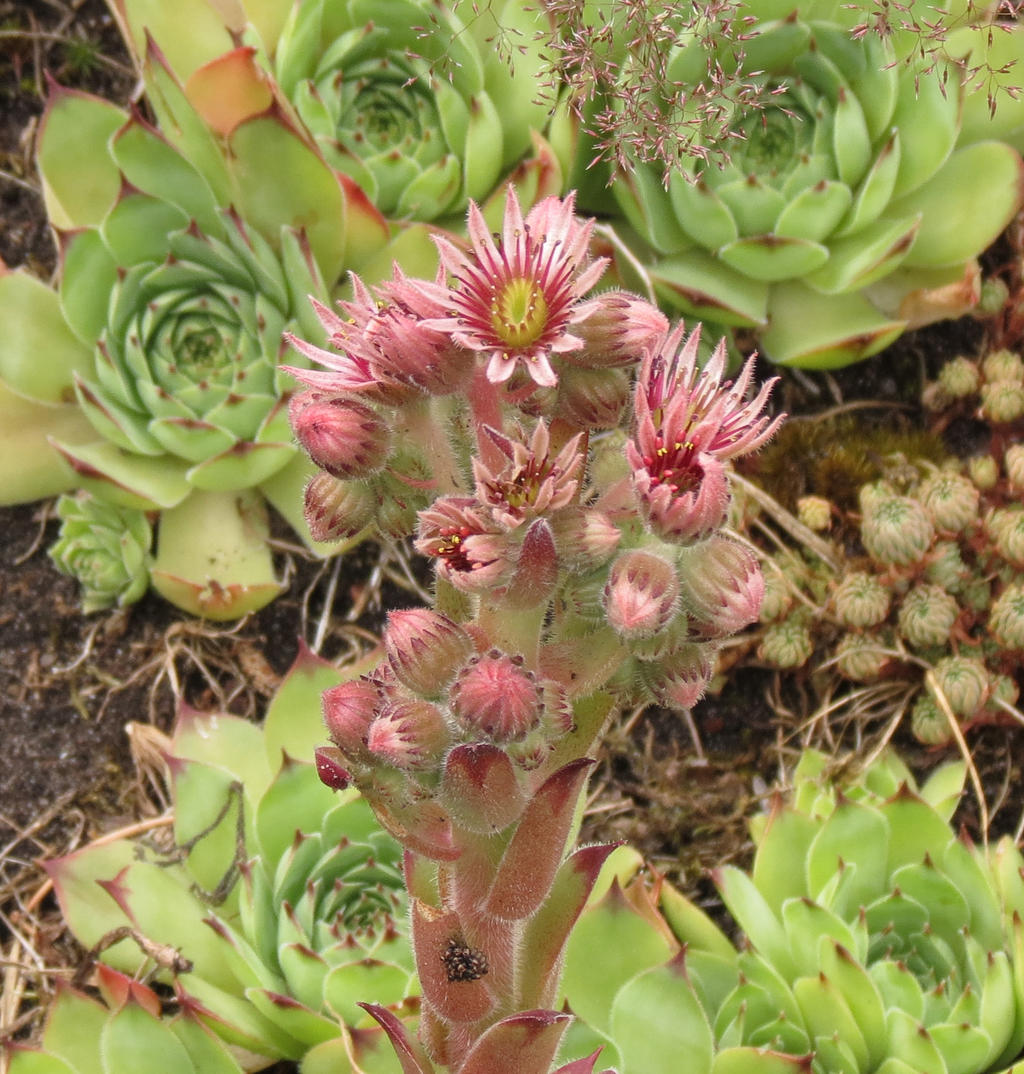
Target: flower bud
(585, 538)
(1002, 401)
(1006, 621)
(617, 330)
(860, 657)
(1006, 527)
(959, 377)
(337, 509)
(425, 649)
(641, 595)
(592, 398)
(721, 586)
(964, 682)
(678, 682)
(946, 567)
(861, 600)
(950, 499)
(1003, 365)
(494, 694)
(1013, 461)
(349, 709)
(897, 531)
(787, 644)
(409, 733)
(927, 615)
(815, 512)
(929, 723)
(343, 437)
(983, 471)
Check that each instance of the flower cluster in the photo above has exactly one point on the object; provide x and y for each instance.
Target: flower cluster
(561, 458)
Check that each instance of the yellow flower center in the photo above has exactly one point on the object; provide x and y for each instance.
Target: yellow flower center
(519, 312)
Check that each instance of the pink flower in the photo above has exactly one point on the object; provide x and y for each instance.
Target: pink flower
(515, 300)
(531, 483)
(688, 424)
(458, 534)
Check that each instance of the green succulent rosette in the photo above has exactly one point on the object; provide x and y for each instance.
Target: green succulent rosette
(848, 208)
(106, 548)
(875, 939)
(119, 1034)
(160, 391)
(412, 103)
(282, 901)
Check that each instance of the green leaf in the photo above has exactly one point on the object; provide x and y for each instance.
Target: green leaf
(364, 982)
(807, 924)
(815, 212)
(212, 557)
(208, 1055)
(372, 1050)
(770, 258)
(860, 995)
(966, 205)
(873, 252)
(80, 180)
(294, 721)
(755, 916)
(226, 742)
(827, 1015)
(702, 286)
(73, 1029)
(779, 866)
(656, 1019)
(295, 802)
(854, 834)
(910, 1042)
(944, 788)
(189, 33)
(927, 117)
(745, 1060)
(34, 325)
(88, 276)
(23, 1062)
(292, 1018)
(815, 331)
(136, 228)
(125, 479)
(283, 182)
(132, 1036)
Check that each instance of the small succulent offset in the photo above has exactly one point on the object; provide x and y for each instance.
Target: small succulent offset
(105, 547)
(281, 904)
(875, 939)
(580, 565)
(935, 600)
(827, 231)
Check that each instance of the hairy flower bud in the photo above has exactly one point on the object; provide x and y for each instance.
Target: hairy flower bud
(950, 499)
(425, 649)
(349, 709)
(983, 471)
(1006, 527)
(787, 644)
(1013, 461)
(1006, 620)
(1002, 401)
(336, 509)
(861, 600)
(331, 769)
(617, 330)
(1003, 365)
(959, 377)
(926, 616)
(897, 531)
(679, 680)
(861, 657)
(815, 512)
(409, 733)
(641, 595)
(343, 437)
(494, 694)
(585, 538)
(592, 398)
(929, 723)
(721, 585)
(965, 683)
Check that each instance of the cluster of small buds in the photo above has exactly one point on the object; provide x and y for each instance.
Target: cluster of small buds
(939, 585)
(563, 461)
